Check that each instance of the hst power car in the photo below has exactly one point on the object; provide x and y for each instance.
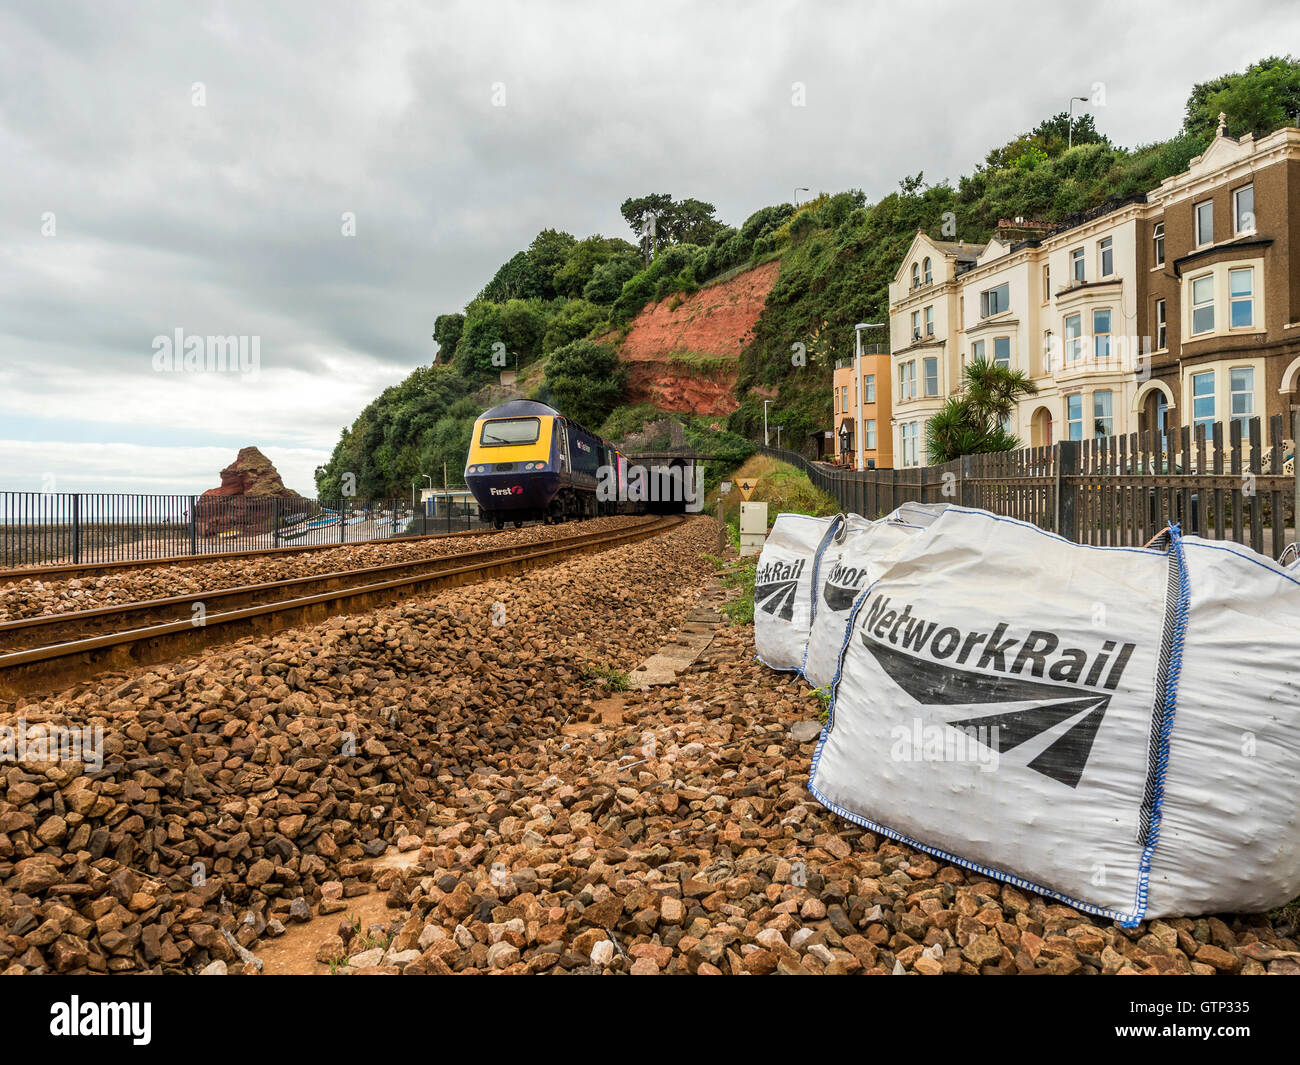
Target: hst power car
(527, 462)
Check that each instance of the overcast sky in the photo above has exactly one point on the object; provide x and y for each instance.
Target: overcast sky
(189, 166)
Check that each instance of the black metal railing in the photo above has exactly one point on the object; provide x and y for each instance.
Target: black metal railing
(51, 528)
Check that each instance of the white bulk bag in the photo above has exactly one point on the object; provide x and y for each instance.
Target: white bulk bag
(783, 585)
(1114, 727)
(919, 514)
(857, 554)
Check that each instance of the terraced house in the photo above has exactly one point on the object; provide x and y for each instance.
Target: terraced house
(1180, 307)
(1223, 289)
(924, 326)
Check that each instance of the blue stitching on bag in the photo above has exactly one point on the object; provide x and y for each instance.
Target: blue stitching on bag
(1167, 726)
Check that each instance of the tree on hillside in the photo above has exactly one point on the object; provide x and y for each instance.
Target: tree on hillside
(607, 280)
(584, 381)
(583, 259)
(447, 329)
(1262, 98)
(530, 274)
(1047, 140)
(971, 422)
(686, 221)
(571, 322)
(547, 254)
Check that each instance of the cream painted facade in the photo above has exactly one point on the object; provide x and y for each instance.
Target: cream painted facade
(1063, 309)
(924, 326)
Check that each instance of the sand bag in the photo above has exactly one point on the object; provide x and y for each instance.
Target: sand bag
(783, 584)
(857, 555)
(1118, 728)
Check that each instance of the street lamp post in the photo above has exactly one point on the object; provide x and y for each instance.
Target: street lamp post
(778, 436)
(766, 440)
(796, 194)
(1069, 125)
(857, 384)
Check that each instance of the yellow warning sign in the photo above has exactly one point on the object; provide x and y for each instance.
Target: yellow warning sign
(747, 486)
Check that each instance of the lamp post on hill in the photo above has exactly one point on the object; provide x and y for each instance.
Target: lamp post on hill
(766, 440)
(1069, 125)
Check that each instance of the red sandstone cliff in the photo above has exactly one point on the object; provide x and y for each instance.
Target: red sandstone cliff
(705, 333)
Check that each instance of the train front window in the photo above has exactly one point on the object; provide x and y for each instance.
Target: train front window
(503, 431)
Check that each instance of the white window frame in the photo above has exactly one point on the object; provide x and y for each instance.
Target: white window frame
(916, 326)
(1248, 298)
(976, 350)
(1099, 335)
(1196, 223)
(1193, 305)
(927, 275)
(987, 307)
(1078, 266)
(926, 364)
(869, 434)
(998, 361)
(1047, 282)
(1048, 354)
(1158, 243)
(1109, 418)
(1105, 250)
(1206, 420)
(927, 319)
(869, 388)
(916, 275)
(907, 381)
(1234, 392)
(1161, 314)
(1070, 422)
(1237, 228)
(1072, 351)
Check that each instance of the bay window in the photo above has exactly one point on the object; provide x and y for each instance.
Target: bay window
(1241, 380)
(1203, 399)
(1101, 334)
(1074, 416)
(1002, 351)
(1103, 413)
(1073, 338)
(1241, 294)
(1203, 304)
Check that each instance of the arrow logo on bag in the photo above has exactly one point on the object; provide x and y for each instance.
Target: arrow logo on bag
(1068, 716)
(776, 598)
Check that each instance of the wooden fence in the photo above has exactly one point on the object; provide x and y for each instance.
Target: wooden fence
(1220, 482)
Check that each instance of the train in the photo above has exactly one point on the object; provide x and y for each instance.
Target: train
(528, 462)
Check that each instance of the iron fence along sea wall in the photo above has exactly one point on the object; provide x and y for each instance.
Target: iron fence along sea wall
(51, 528)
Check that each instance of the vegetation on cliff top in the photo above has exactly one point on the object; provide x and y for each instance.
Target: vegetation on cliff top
(837, 253)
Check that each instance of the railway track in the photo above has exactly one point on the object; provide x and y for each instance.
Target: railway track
(58, 650)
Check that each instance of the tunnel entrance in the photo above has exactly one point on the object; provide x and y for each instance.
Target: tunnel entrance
(673, 483)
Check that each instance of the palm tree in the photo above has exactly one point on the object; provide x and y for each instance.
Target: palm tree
(971, 422)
